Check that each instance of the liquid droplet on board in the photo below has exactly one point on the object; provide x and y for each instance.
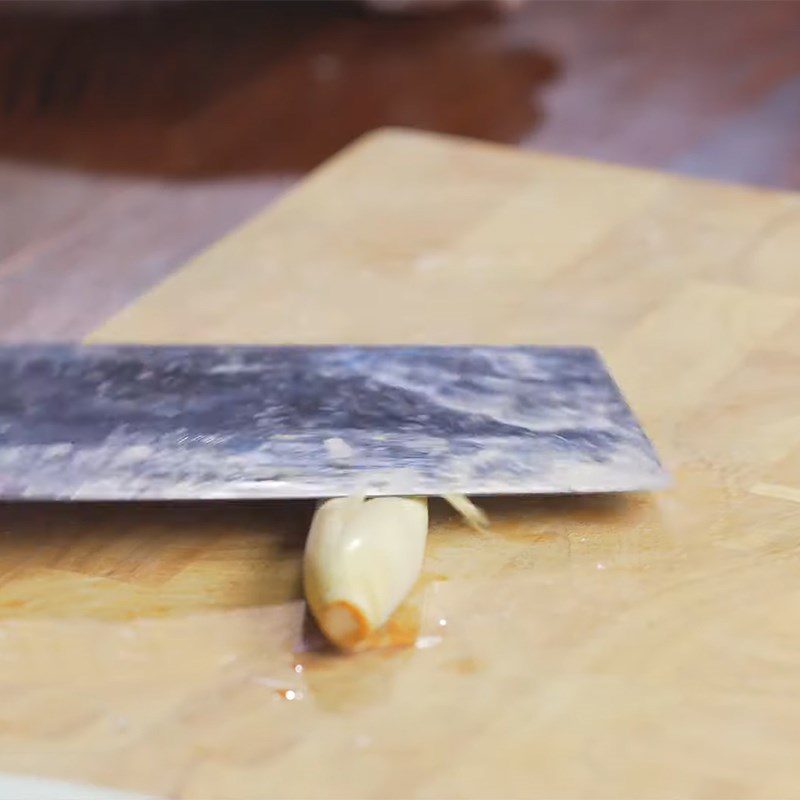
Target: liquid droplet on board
(290, 694)
(425, 642)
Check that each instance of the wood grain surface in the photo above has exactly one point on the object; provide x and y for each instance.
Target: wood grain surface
(603, 647)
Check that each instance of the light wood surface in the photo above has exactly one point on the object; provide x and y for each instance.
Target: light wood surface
(596, 647)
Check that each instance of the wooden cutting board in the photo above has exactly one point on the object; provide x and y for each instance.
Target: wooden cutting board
(641, 647)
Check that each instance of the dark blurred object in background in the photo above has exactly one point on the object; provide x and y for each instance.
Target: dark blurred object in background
(210, 88)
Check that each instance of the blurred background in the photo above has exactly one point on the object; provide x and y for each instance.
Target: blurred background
(133, 134)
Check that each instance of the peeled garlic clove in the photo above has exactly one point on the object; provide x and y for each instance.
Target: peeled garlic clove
(362, 558)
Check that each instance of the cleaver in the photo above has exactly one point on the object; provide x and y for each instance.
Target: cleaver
(219, 422)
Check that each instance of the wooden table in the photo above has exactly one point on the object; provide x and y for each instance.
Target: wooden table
(601, 647)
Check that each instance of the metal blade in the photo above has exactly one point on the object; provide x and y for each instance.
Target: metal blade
(125, 423)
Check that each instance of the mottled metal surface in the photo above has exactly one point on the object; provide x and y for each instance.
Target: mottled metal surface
(108, 422)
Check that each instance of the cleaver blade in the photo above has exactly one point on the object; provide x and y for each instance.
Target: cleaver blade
(219, 422)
